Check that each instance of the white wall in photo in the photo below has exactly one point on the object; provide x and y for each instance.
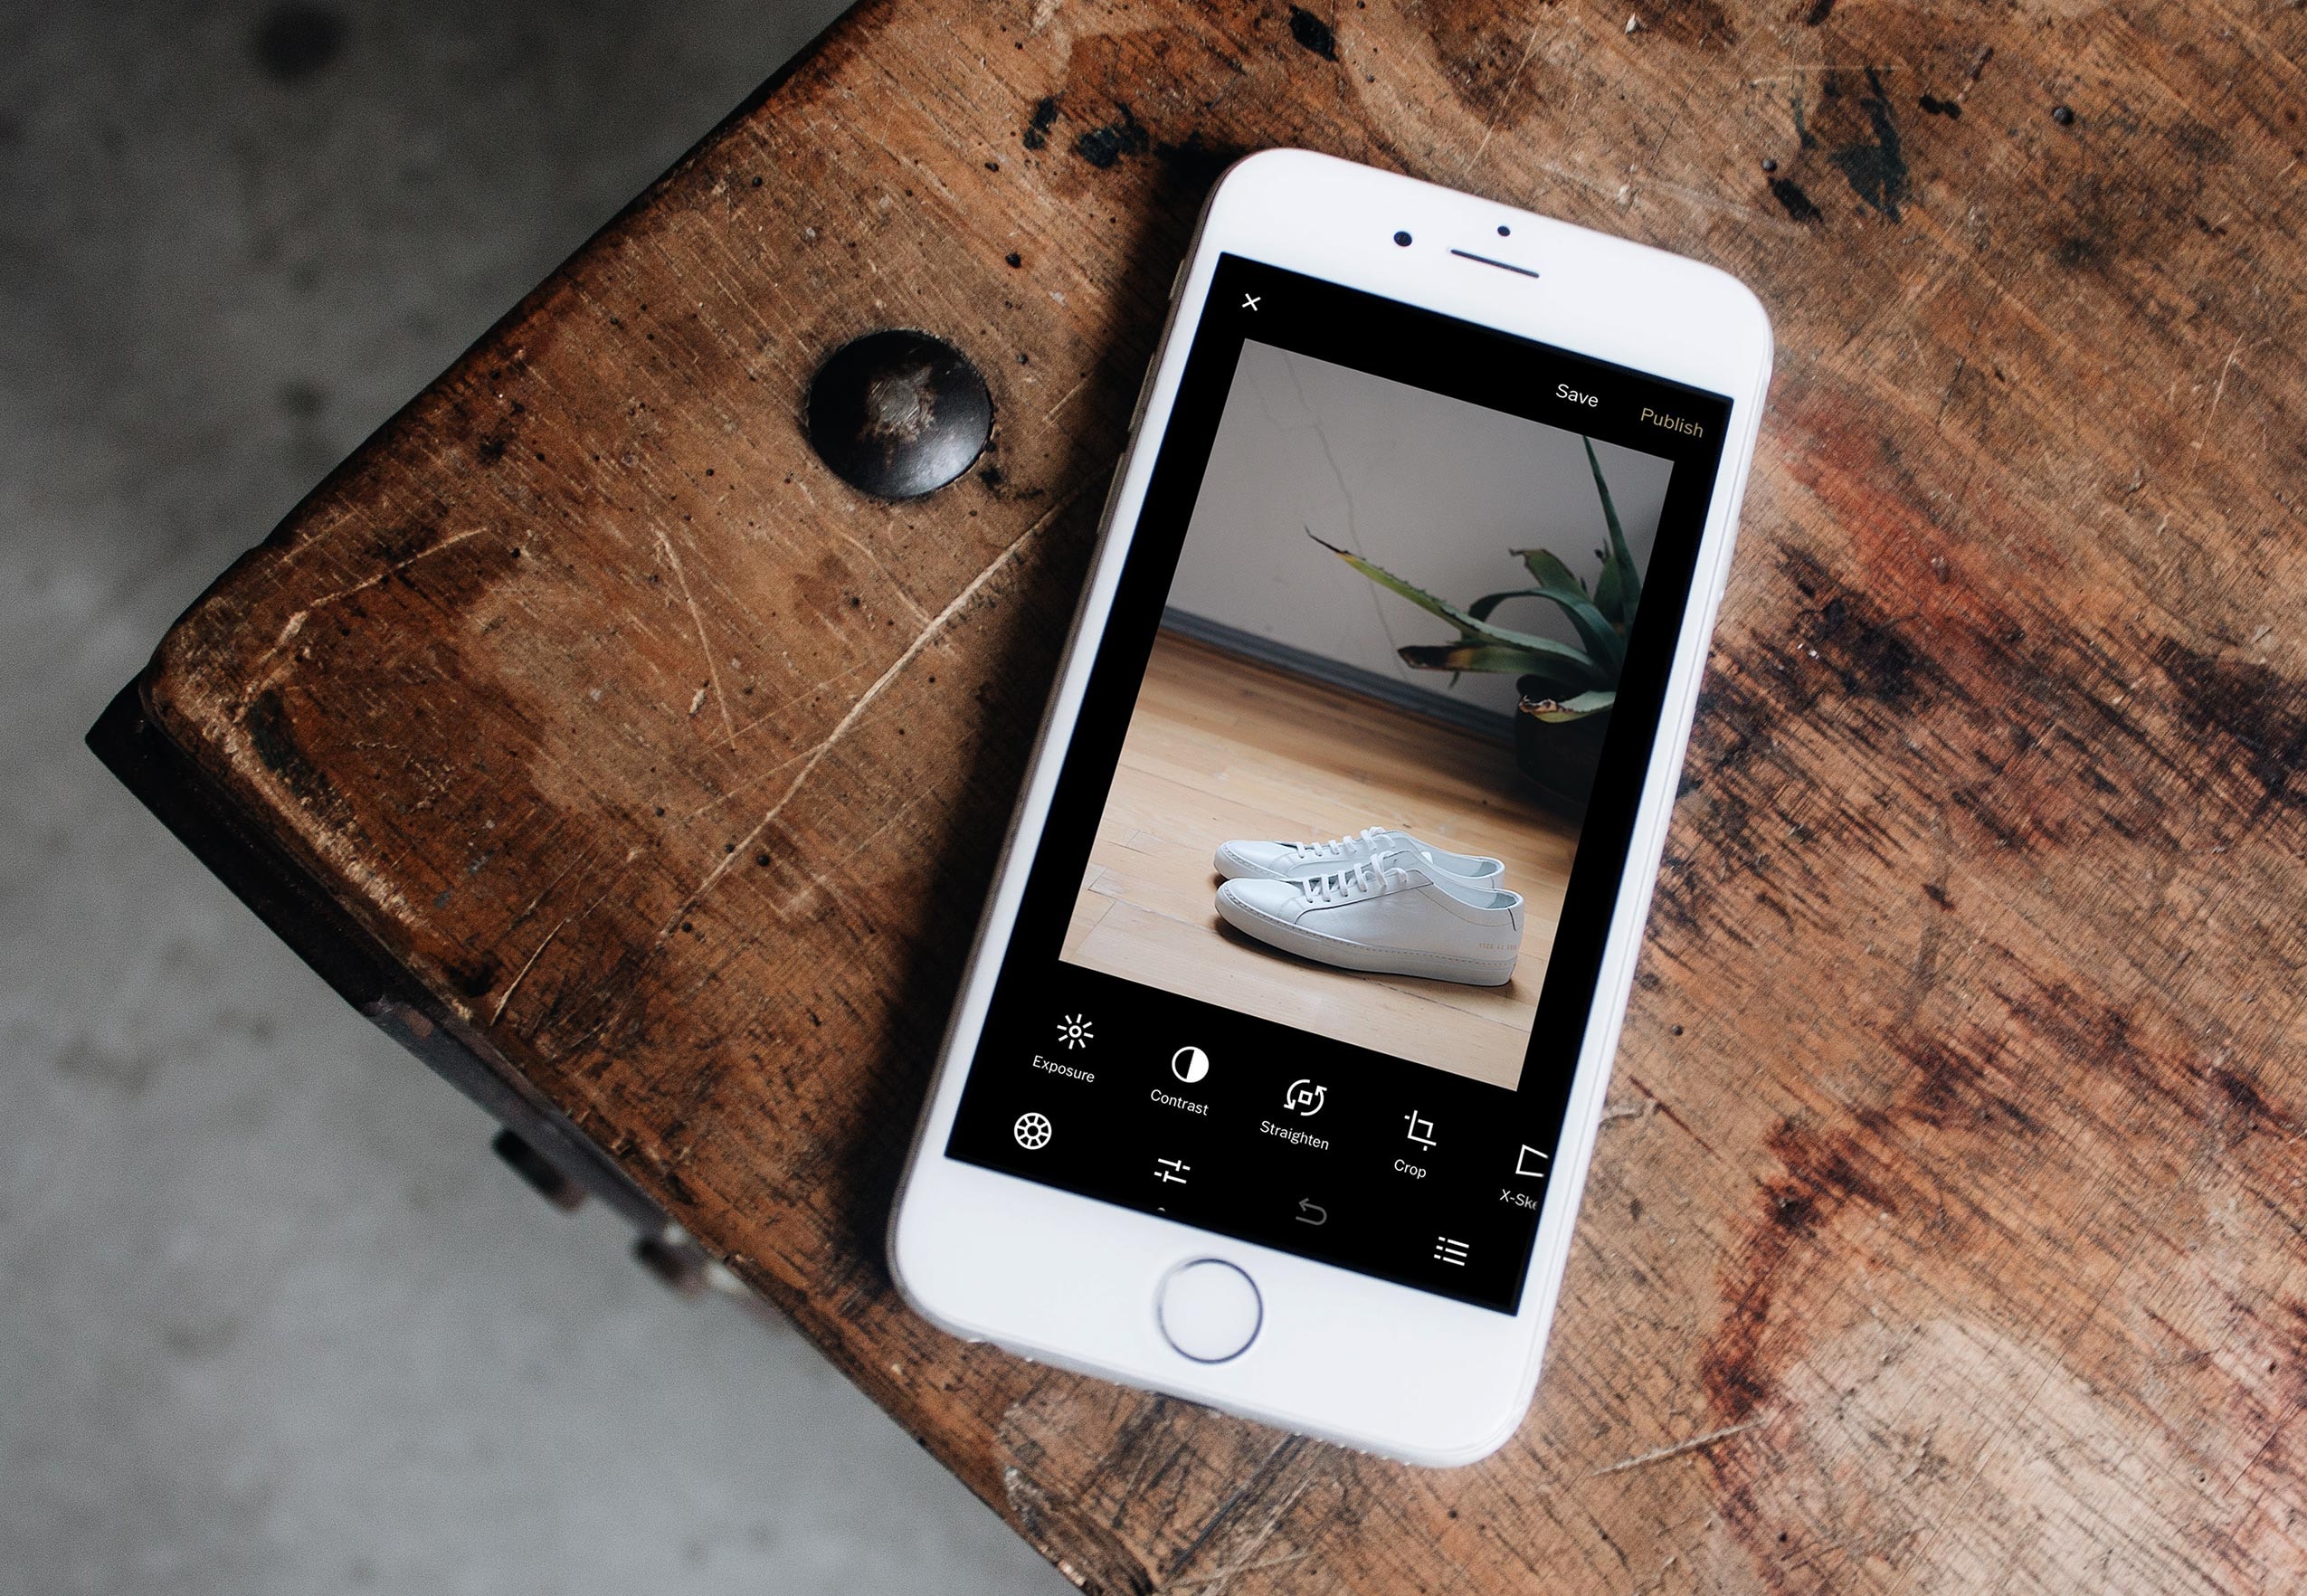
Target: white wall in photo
(1433, 488)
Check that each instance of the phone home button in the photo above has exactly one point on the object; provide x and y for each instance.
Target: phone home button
(1208, 1310)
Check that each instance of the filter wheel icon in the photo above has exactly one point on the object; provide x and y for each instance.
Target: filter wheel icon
(1032, 1131)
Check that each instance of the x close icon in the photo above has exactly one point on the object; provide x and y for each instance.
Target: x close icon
(1249, 301)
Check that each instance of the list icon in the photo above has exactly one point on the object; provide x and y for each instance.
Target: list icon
(1451, 1250)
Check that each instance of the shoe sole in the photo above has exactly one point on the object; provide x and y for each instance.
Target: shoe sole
(1339, 954)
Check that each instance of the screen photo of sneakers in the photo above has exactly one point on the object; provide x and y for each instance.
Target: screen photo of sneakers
(1380, 901)
(1351, 788)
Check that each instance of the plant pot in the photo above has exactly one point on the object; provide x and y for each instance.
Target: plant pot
(1559, 759)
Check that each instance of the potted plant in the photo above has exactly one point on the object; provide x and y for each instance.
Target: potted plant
(1567, 688)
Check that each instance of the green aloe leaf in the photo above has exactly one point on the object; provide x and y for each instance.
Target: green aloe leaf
(1557, 711)
(1558, 663)
(1619, 587)
(1546, 569)
(1605, 641)
(1468, 624)
(1480, 608)
(1609, 592)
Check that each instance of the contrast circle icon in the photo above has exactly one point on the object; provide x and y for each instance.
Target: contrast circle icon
(1031, 1131)
(1189, 1064)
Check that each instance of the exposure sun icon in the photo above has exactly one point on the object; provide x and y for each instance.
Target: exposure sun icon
(1074, 1031)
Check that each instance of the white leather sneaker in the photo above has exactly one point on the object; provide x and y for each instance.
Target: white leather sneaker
(1296, 861)
(1389, 915)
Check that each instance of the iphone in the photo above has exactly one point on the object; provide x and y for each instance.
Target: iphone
(1276, 1069)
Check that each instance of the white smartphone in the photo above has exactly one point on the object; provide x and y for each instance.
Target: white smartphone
(1277, 1068)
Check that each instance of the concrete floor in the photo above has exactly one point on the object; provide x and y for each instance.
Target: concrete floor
(271, 1318)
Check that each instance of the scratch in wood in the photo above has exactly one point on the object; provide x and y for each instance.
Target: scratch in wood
(1529, 49)
(522, 973)
(2253, 1462)
(1884, 68)
(294, 623)
(897, 814)
(1642, 1110)
(919, 615)
(815, 757)
(704, 639)
(1060, 401)
(1213, 1583)
(1696, 197)
(1695, 1443)
(545, 890)
(2219, 392)
(808, 692)
(819, 883)
(2059, 1357)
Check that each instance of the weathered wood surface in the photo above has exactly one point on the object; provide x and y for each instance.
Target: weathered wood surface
(1947, 1234)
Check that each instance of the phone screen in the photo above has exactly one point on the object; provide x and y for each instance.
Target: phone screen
(1307, 949)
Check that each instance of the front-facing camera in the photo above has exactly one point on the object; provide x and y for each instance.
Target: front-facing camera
(1402, 239)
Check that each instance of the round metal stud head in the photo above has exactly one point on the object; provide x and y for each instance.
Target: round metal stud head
(899, 415)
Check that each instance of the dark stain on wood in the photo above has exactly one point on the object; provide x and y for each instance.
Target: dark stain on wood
(1194, 166)
(1312, 33)
(1794, 201)
(1875, 166)
(1850, 636)
(1820, 1175)
(2256, 715)
(272, 737)
(1104, 146)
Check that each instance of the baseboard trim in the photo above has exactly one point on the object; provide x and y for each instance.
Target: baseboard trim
(1488, 724)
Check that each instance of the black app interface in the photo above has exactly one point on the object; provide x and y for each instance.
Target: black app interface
(1308, 950)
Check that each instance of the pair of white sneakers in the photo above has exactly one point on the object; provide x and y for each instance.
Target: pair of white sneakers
(1381, 902)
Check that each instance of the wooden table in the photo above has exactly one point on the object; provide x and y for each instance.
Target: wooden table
(1946, 1231)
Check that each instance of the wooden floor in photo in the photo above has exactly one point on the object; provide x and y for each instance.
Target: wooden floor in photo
(1220, 747)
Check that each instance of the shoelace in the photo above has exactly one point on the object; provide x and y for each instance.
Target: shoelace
(1364, 880)
(1337, 848)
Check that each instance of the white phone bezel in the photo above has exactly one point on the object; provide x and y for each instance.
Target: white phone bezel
(1069, 1280)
